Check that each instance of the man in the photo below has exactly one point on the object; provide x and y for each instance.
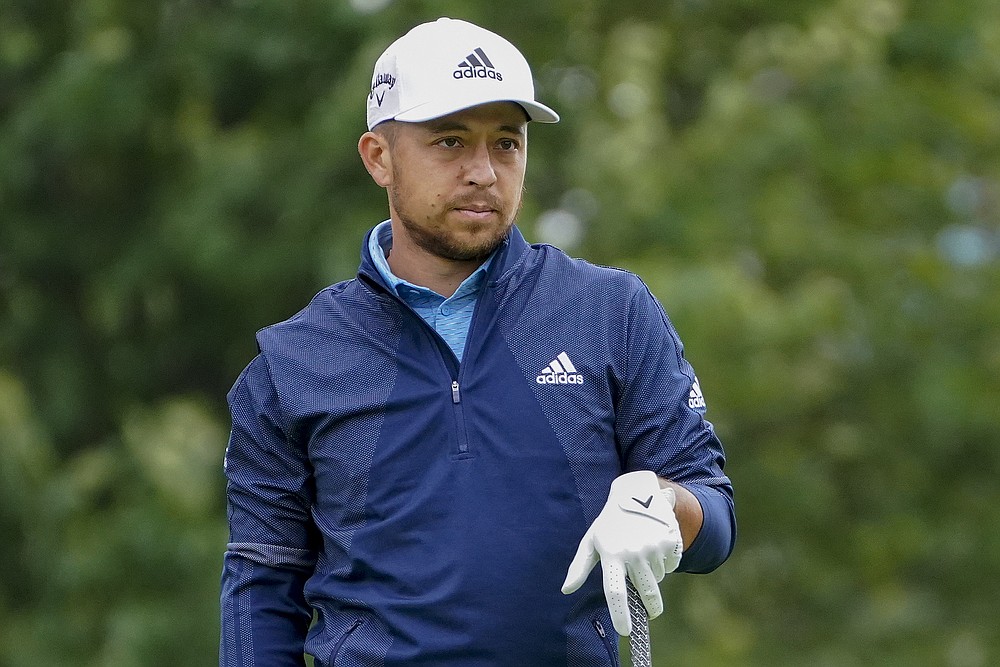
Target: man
(427, 462)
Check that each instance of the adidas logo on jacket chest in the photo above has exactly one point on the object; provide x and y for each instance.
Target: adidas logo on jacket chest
(560, 371)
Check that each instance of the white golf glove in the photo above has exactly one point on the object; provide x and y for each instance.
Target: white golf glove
(636, 533)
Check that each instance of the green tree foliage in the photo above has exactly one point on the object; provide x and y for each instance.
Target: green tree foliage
(812, 189)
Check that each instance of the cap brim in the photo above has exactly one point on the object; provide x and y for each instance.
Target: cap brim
(431, 110)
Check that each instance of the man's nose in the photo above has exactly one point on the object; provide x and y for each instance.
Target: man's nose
(479, 168)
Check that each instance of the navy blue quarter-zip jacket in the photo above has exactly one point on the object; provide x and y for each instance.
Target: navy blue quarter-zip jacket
(391, 506)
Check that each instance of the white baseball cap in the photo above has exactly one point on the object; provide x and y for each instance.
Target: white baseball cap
(445, 66)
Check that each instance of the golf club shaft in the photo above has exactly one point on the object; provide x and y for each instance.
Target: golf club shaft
(642, 655)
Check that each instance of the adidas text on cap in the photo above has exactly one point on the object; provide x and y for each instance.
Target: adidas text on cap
(445, 66)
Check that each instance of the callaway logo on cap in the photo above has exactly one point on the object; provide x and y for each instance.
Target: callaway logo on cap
(448, 65)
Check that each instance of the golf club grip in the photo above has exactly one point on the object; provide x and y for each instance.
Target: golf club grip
(642, 655)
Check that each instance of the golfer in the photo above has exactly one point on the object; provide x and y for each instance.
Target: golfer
(428, 462)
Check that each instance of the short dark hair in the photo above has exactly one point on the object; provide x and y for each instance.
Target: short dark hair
(387, 129)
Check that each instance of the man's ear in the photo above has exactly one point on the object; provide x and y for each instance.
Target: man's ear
(374, 151)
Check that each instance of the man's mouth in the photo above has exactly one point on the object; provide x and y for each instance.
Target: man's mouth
(475, 210)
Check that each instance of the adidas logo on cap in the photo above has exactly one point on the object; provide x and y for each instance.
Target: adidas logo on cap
(560, 371)
(477, 66)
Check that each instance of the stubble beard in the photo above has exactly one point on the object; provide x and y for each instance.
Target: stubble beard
(441, 241)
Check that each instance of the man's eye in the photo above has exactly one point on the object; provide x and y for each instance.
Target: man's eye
(449, 142)
(507, 144)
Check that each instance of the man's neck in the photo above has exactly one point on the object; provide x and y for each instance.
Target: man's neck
(419, 267)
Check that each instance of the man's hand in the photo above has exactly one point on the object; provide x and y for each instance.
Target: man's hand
(636, 533)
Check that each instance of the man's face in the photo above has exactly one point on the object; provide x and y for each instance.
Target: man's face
(456, 181)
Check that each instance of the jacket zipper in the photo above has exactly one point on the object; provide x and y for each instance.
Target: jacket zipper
(456, 399)
(456, 394)
(335, 652)
(612, 651)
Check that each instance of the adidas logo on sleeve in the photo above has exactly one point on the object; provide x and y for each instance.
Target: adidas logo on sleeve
(560, 371)
(696, 400)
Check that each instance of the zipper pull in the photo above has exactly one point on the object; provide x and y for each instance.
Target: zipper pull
(600, 629)
(455, 396)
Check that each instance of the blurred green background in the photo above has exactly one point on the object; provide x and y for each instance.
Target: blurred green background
(811, 188)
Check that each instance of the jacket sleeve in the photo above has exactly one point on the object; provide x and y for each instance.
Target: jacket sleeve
(661, 426)
(270, 553)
